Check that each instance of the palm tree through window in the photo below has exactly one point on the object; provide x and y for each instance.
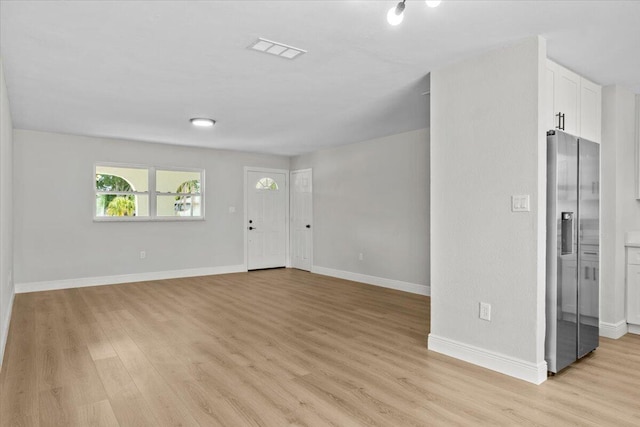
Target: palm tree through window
(184, 204)
(114, 204)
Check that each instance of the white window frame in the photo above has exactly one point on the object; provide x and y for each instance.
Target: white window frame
(153, 204)
(151, 193)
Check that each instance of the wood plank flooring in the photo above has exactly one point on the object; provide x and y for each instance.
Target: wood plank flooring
(276, 348)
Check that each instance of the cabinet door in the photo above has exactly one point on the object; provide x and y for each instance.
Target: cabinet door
(590, 110)
(633, 294)
(549, 114)
(638, 147)
(567, 99)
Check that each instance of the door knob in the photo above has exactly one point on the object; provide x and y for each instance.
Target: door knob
(308, 225)
(252, 228)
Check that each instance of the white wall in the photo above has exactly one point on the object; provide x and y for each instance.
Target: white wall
(487, 144)
(56, 238)
(372, 197)
(619, 209)
(6, 214)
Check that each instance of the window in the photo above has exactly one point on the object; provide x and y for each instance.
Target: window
(122, 191)
(147, 193)
(266, 184)
(178, 193)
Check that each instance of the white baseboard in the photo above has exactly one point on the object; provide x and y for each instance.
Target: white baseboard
(373, 280)
(527, 371)
(613, 330)
(634, 329)
(5, 331)
(125, 278)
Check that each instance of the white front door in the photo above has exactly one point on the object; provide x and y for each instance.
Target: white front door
(266, 219)
(301, 219)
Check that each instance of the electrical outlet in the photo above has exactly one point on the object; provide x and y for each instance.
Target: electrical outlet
(361, 256)
(143, 254)
(485, 311)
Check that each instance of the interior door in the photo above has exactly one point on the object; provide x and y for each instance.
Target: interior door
(301, 219)
(266, 219)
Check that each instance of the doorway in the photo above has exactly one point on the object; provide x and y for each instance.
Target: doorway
(266, 218)
(301, 219)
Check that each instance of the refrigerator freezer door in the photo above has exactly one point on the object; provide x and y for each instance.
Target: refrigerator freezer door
(588, 261)
(562, 261)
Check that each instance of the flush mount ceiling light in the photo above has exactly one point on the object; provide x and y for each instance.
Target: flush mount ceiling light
(396, 13)
(202, 122)
(275, 48)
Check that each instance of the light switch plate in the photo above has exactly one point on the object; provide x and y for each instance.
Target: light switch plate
(520, 203)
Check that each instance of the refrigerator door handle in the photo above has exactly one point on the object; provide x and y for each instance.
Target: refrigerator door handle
(567, 231)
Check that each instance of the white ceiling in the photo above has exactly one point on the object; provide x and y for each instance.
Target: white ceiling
(140, 69)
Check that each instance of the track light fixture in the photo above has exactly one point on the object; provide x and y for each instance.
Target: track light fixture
(396, 13)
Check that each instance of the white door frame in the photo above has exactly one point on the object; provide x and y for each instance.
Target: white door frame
(312, 216)
(248, 169)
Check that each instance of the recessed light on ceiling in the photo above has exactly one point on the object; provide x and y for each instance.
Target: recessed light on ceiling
(275, 48)
(202, 122)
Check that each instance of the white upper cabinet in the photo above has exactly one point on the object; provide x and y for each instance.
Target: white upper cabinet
(566, 100)
(590, 110)
(575, 103)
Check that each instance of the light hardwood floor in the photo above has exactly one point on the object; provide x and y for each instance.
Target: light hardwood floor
(276, 348)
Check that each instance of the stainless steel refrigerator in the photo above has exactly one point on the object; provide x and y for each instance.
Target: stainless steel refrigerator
(573, 248)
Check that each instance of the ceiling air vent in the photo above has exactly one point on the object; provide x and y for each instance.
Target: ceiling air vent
(277, 49)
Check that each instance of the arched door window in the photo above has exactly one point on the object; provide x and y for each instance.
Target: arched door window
(266, 184)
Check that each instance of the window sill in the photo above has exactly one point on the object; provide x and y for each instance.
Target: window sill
(147, 219)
